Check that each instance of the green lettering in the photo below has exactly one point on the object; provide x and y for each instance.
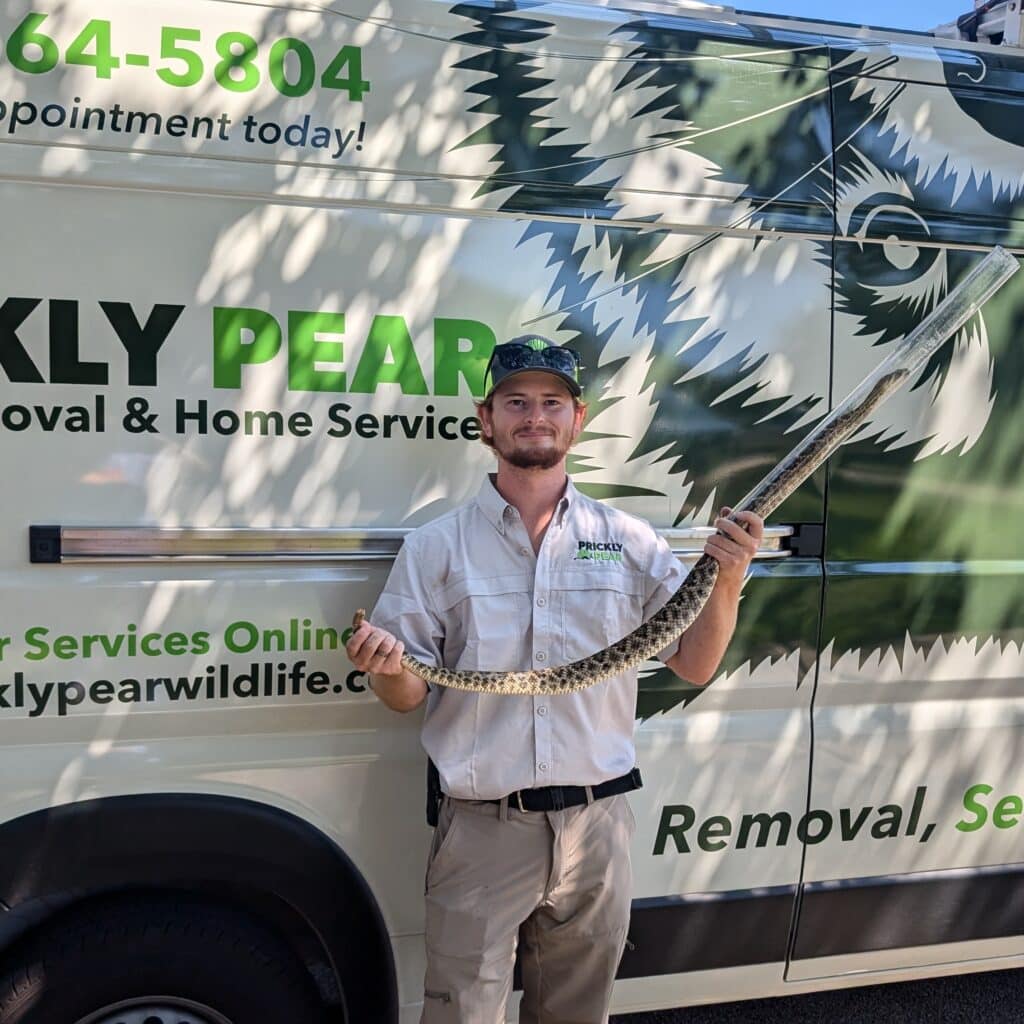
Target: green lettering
(451, 359)
(1007, 811)
(241, 637)
(38, 647)
(231, 351)
(389, 337)
(65, 647)
(305, 350)
(977, 809)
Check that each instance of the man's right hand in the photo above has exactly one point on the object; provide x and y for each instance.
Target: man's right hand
(375, 651)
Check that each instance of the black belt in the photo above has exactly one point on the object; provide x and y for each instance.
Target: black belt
(557, 798)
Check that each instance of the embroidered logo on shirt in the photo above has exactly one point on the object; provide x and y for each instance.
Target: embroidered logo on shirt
(598, 551)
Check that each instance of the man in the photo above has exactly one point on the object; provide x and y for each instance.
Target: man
(532, 842)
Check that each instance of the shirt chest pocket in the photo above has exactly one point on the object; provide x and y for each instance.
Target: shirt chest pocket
(487, 621)
(599, 607)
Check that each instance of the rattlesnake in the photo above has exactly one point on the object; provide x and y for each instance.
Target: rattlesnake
(685, 605)
(661, 628)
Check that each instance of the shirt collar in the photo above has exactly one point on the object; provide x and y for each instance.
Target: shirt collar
(498, 511)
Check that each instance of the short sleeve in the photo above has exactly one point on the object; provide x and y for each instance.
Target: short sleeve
(405, 608)
(665, 574)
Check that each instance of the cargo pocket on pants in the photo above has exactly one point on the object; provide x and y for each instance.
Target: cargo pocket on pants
(441, 845)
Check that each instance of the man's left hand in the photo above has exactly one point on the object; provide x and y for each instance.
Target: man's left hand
(735, 545)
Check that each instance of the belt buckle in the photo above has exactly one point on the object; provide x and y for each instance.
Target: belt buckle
(519, 801)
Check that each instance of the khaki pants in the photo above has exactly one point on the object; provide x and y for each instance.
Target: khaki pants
(558, 882)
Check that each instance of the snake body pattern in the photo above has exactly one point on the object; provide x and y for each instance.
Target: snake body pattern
(685, 605)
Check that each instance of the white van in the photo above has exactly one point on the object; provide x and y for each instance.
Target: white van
(255, 258)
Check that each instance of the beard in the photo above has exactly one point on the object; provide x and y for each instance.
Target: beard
(546, 457)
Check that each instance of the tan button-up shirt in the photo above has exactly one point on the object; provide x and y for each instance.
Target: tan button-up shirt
(466, 591)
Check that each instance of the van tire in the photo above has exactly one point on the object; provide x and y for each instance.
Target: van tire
(215, 963)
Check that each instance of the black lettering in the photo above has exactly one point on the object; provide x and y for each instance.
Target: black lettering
(202, 122)
(185, 686)
(367, 425)
(300, 424)
(803, 828)
(335, 414)
(258, 420)
(144, 117)
(318, 683)
(247, 684)
(56, 119)
(269, 132)
(668, 829)
(225, 421)
(101, 691)
(48, 417)
(69, 695)
(848, 829)
(13, 358)
(915, 811)
(40, 696)
(16, 417)
(129, 691)
(888, 824)
(141, 343)
(65, 366)
(710, 831)
(764, 824)
(101, 117)
(182, 416)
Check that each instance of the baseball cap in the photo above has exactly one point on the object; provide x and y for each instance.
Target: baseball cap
(531, 353)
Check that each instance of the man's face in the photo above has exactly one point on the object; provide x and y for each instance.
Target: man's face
(532, 421)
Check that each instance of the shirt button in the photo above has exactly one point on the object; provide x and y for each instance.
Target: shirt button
(541, 602)
(542, 710)
(523, 551)
(542, 767)
(541, 655)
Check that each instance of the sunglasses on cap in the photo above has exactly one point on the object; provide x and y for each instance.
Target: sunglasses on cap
(534, 353)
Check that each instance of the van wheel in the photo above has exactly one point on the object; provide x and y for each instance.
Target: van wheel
(161, 962)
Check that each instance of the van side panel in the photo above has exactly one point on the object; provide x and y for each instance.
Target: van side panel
(918, 713)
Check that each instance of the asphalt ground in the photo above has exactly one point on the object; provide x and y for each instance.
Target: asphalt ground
(991, 997)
